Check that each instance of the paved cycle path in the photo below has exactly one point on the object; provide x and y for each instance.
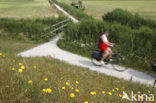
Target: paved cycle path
(51, 48)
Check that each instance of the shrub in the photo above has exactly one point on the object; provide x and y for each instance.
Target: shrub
(137, 44)
(127, 18)
(144, 42)
(86, 31)
(31, 29)
(77, 13)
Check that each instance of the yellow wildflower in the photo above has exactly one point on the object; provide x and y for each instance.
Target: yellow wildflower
(85, 101)
(77, 82)
(22, 67)
(72, 95)
(113, 90)
(120, 95)
(30, 82)
(20, 70)
(34, 67)
(103, 92)
(12, 69)
(72, 88)
(20, 64)
(45, 79)
(4, 56)
(0, 54)
(109, 93)
(68, 83)
(93, 93)
(148, 98)
(140, 97)
(149, 91)
(117, 89)
(63, 87)
(44, 90)
(49, 90)
(77, 90)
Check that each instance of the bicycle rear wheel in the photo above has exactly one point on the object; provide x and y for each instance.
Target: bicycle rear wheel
(96, 57)
(95, 62)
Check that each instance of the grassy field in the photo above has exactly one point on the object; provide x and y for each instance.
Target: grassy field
(88, 30)
(46, 80)
(98, 8)
(27, 9)
(15, 47)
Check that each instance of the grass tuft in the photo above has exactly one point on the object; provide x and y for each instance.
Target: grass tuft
(23, 80)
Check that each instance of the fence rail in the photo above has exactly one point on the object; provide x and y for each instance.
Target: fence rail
(53, 29)
(57, 24)
(59, 28)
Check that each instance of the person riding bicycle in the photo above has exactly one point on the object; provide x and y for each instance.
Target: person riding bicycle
(104, 46)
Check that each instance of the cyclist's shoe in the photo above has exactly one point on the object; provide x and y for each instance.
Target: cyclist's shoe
(102, 63)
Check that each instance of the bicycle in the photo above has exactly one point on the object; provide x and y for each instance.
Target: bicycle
(154, 84)
(118, 62)
(153, 66)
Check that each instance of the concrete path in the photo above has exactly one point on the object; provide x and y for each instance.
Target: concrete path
(51, 48)
(66, 13)
(54, 51)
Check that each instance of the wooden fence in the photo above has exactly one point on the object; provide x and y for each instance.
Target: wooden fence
(54, 29)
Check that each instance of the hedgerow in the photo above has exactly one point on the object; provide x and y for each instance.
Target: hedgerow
(31, 29)
(137, 44)
(135, 36)
(77, 13)
(127, 18)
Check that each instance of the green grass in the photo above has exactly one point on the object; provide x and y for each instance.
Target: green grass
(15, 87)
(83, 38)
(87, 34)
(16, 46)
(98, 8)
(31, 29)
(27, 9)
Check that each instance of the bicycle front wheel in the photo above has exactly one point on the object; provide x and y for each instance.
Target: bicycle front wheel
(119, 63)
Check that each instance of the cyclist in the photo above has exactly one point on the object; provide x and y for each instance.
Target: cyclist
(104, 46)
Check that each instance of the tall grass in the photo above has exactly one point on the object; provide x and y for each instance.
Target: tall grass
(127, 18)
(27, 9)
(38, 74)
(134, 35)
(28, 29)
(77, 13)
(137, 44)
